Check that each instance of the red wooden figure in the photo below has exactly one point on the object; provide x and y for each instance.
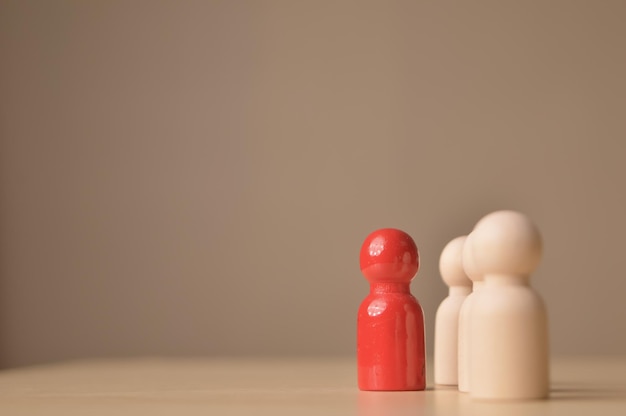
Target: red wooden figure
(390, 326)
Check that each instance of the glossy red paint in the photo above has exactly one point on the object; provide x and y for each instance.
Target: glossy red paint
(390, 325)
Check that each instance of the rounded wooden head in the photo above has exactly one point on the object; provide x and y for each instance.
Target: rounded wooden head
(507, 243)
(389, 255)
(451, 264)
(469, 263)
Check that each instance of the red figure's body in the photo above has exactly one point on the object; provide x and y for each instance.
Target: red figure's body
(390, 326)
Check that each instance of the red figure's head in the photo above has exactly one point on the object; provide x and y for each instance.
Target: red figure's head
(389, 255)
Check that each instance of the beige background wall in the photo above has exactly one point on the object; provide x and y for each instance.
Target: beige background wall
(197, 177)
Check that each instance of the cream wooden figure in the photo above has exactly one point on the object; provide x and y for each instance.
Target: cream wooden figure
(447, 319)
(464, 316)
(509, 330)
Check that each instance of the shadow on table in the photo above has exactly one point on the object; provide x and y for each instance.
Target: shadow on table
(580, 391)
(400, 403)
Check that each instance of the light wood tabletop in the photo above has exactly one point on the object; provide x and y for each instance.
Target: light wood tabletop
(286, 386)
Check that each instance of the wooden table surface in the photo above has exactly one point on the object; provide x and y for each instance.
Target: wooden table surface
(591, 386)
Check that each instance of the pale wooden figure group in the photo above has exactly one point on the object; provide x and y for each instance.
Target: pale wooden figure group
(491, 332)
